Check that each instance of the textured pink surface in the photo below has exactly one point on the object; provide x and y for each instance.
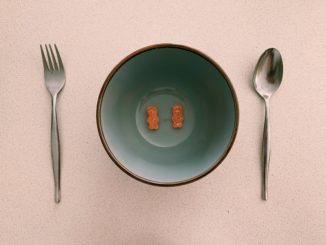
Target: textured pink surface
(102, 205)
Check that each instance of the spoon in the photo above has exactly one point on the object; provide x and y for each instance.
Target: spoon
(267, 79)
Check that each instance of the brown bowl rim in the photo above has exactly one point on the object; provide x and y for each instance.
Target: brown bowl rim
(107, 148)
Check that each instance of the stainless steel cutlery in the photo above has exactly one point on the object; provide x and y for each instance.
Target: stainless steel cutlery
(267, 79)
(54, 77)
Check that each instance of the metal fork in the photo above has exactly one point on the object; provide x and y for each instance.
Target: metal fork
(54, 76)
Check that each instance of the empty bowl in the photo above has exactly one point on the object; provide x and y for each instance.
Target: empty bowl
(163, 76)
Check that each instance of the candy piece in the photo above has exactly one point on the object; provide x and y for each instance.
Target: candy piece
(177, 116)
(152, 117)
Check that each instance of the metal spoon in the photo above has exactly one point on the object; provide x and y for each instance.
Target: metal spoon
(267, 79)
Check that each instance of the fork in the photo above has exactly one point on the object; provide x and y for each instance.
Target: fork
(54, 76)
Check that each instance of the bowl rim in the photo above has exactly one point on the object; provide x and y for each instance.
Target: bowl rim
(120, 164)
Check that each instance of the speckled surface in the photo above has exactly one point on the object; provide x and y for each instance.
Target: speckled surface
(101, 204)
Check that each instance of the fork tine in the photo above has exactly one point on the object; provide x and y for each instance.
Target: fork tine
(59, 58)
(45, 64)
(49, 58)
(53, 59)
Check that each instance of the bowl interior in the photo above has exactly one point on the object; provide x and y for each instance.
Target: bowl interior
(163, 76)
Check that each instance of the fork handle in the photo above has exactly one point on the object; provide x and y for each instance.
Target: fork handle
(266, 150)
(55, 150)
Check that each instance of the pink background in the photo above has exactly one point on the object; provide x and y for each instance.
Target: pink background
(102, 205)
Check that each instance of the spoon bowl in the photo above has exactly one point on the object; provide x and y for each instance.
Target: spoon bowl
(268, 73)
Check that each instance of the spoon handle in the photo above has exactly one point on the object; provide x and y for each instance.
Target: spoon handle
(266, 149)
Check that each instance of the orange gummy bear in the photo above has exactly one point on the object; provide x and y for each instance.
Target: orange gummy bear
(177, 116)
(152, 117)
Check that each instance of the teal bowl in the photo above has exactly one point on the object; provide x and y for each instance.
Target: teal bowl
(164, 75)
